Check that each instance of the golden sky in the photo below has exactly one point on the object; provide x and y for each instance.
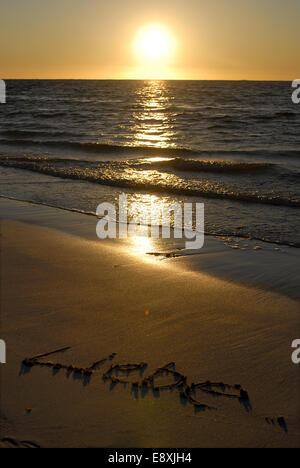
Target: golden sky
(163, 39)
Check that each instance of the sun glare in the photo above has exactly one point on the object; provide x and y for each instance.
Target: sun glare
(154, 43)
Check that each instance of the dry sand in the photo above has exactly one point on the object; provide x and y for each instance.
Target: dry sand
(99, 298)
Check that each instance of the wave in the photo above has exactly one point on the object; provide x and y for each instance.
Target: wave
(37, 115)
(49, 115)
(104, 148)
(107, 148)
(192, 165)
(282, 114)
(126, 176)
(180, 164)
(34, 133)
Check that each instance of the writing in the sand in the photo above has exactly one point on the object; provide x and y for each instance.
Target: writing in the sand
(296, 353)
(2, 352)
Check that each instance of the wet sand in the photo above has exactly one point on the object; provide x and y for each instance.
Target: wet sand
(106, 301)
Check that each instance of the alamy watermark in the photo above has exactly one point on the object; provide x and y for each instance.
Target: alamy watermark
(296, 93)
(2, 92)
(188, 222)
(296, 353)
(2, 352)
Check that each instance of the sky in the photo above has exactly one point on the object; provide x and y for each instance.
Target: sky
(158, 39)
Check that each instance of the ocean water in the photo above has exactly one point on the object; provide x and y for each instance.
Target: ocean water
(234, 146)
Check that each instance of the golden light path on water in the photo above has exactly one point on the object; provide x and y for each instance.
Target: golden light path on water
(147, 210)
(153, 121)
(153, 128)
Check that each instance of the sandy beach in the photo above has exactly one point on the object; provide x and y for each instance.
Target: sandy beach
(63, 288)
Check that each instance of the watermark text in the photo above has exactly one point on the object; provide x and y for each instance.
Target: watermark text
(2, 352)
(2, 92)
(296, 93)
(296, 353)
(188, 222)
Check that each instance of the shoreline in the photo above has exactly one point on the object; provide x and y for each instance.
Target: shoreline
(62, 288)
(206, 233)
(249, 262)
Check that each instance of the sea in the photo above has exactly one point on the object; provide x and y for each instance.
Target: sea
(232, 145)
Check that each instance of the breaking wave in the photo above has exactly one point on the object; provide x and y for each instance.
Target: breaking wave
(141, 175)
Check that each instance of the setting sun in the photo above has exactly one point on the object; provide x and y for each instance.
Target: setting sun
(154, 43)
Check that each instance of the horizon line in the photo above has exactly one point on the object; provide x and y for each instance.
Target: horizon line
(150, 79)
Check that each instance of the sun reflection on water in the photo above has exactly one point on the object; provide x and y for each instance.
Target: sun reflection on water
(153, 127)
(158, 159)
(148, 207)
(153, 121)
